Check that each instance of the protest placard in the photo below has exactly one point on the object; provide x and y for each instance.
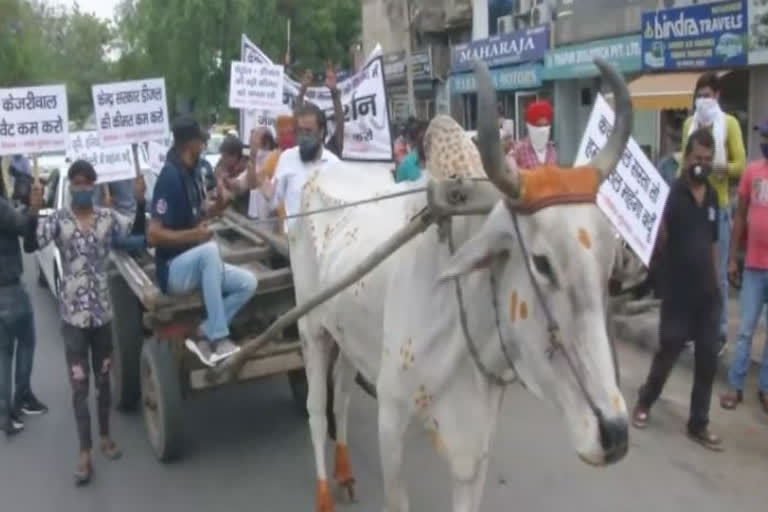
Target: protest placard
(112, 163)
(634, 195)
(253, 86)
(33, 120)
(131, 112)
(156, 153)
(367, 134)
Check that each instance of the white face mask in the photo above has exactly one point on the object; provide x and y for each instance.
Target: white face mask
(706, 109)
(539, 136)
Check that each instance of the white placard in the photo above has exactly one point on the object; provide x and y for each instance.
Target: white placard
(367, 133)
(634, 195)
(255, 86)
(33, 120)
(157, 153)
(113, 163)
(131, 112)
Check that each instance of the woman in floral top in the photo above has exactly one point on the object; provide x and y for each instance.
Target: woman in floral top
(84, 235)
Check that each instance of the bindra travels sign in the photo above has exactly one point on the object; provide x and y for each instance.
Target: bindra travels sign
(506, 49)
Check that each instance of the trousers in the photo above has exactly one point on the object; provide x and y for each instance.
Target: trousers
(17, 329)
(83, 347)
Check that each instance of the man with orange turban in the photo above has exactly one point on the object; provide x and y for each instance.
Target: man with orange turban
(536, 148)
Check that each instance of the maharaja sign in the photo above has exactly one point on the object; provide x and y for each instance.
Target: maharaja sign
(506, 49)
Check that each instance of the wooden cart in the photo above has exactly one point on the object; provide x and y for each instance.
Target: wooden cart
(151, 366)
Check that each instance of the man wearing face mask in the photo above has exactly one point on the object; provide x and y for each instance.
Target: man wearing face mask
(297, 163)
(186, 257)
(691, 301)
(728, 164)
(751, 218)
(535, 149)
(84, 234)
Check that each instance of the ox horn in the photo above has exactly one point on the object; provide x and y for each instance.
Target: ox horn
(488, 140)
(608, 157)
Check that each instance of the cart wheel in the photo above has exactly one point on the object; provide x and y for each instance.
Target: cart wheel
(127, 337)
(161, 400)
(300, 389)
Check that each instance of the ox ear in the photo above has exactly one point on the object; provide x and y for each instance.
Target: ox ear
(480, 252)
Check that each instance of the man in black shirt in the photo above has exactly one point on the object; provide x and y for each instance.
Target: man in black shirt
(690, 307)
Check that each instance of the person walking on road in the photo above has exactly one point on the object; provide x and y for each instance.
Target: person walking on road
(16, 316)
(691, 301)
(84, 234)
(751, 217)
(728, 164)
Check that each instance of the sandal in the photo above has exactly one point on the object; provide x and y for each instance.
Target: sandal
(707, 439)
(640, 417)
(762, 396)
(730, 400)
(83, 474)
(110, 450)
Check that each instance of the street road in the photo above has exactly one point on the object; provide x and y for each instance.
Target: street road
(249, 450)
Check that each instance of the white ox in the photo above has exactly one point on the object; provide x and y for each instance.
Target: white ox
(400, 326)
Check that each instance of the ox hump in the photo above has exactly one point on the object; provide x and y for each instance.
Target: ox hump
(450, 153)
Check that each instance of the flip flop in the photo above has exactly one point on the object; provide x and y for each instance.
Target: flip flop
(640, 418)
(730, 400)
(112, 452)
(83, 475)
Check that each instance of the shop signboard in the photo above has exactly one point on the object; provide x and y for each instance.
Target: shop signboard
(503, 50)
(526, 76)
(576, 61)
(758, 32)
(394, 65)
(698, 36)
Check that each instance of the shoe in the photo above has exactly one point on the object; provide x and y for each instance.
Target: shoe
(706, 439)
(32, 406)
(11, 429)
(202, 349)
(224, 349)
(16, 421)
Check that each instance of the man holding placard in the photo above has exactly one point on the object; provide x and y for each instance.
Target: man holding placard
(186, 257)
(16, 310)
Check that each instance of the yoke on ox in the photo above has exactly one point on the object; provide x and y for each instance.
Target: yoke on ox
(469, 306)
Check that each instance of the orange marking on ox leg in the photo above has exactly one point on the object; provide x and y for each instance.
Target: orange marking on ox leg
(341, 471)
(584, 238)
(523, 310)
(323, 499)
(513, 307)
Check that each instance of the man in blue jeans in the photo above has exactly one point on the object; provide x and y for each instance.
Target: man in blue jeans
(17, 324)
(186, 258)
(751, 217)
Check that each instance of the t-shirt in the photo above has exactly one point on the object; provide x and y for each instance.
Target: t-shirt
(409, 169)
(177, 203)
(688, 253)
(290, 176)
(753, 191)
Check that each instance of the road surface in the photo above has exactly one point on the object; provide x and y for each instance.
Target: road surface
(249, 450)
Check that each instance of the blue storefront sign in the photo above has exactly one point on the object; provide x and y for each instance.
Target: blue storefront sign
(698, 36)
(576, 61)
(511, 48)
(526, 76)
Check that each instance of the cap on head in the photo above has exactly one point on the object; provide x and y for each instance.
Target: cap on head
(82, 168)
(538, 110)
(283, 124)
(186, 129)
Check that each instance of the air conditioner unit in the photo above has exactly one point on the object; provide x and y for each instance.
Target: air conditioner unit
(505, 24)
(540, 14)
(524, 6)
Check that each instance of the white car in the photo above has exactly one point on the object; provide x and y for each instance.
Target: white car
(56, 198)
(49, 162)
(212, 150)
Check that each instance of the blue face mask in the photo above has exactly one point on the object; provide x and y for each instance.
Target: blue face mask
(82, 198)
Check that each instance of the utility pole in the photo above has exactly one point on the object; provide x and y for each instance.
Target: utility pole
(408, 67)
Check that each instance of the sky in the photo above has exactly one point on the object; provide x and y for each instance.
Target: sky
(102, 8)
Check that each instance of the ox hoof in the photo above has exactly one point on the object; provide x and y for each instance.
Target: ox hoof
(343, 475)
(323, 499)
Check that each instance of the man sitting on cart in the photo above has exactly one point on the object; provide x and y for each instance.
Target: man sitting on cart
(186, 257)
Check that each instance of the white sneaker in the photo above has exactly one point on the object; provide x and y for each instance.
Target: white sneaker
(202, 349)
(224, 349)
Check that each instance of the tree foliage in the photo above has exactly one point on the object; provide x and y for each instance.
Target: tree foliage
(189, 42)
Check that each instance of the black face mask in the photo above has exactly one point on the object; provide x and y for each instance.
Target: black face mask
(699, 173)
(309, 145)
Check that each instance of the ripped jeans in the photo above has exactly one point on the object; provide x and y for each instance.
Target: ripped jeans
(80, 342)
